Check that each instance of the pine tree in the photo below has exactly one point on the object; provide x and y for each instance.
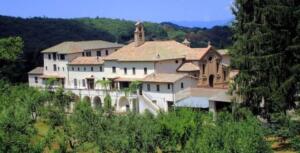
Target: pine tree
(266, 51)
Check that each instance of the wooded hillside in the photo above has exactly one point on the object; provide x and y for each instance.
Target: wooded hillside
(40, 33)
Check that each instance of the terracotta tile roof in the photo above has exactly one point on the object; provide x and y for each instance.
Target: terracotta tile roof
(223, 51)
(122, 79)
(164, 77)
(51, 76)
(221, 96)
(84, 60)
(152, 51)
(79, 46)
(198, 53)
(188, 67)
(37, 71)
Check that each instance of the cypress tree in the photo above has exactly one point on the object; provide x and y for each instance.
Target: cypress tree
(266, 51)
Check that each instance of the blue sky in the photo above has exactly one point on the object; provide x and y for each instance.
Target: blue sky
(145, 10)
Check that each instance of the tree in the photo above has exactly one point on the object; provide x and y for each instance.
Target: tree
(228, 134)
(10, 49)
(266, 52)
(104, 84)
(133, 87)
(107, 102)
(175, 129)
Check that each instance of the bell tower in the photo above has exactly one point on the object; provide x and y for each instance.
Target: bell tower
(139, 34)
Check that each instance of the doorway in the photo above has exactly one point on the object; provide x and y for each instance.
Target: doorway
(211, 80)
(90, 83)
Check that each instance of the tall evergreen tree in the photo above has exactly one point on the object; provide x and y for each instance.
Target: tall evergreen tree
(266, 51)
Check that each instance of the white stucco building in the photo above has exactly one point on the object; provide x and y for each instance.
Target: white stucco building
(170, 73)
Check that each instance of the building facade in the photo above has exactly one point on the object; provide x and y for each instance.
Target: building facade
(169, 72)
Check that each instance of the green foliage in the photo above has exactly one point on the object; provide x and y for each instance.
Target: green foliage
(10, 48)
(266, 52)
(107, 102)
(175, 129)
(17, 104)
(133, 87)
(227, 134)
(287, 129)
(86, 130)
(104, 84)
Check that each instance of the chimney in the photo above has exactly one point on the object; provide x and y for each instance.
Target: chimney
(186, 42)
(208, 44)
(139, 34)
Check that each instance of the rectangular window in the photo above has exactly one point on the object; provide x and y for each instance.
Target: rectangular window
(92, 68)
(82, 53)
(181, 85)
(148, 87)
(203, 69)
(62, 57)
(72, 68)
(54, 67)
(98, 53)
(101, 69)
(49, 56)
(63, 68)
(114, 69)
(84, 69)
(106, 52)
(57, 68)
(83, 82)
(36, 79)
(145, 70)
(46, 67)
(133, 70)
(169, 86)
(218, 64)
(75, 83)
(157, 88)
(54, 56)
(88, 53)
(125, 70)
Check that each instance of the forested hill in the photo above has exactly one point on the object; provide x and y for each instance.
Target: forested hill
(39, 33)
